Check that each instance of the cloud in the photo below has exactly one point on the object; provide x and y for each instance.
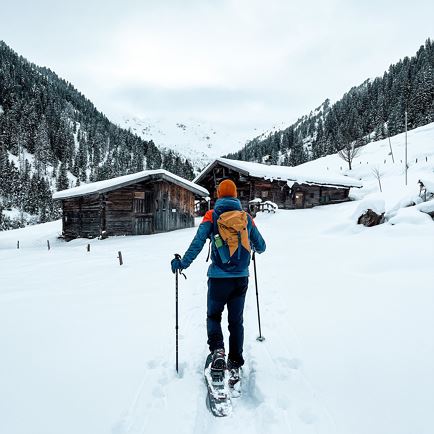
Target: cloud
(246, 61)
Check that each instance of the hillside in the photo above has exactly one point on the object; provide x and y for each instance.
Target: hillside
(371, 111)
(52, 137)
(377, 156)
(198, 140)
(89, 346)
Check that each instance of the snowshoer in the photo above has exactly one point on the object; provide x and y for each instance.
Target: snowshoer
(232, 233)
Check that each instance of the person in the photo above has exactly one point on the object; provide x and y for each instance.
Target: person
(227, 282)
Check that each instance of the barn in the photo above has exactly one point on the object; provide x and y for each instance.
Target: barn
(288, 187)
(142, 203)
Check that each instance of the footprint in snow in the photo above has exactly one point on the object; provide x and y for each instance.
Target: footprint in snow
(307, 416)
(157, 392)
(152, 364)
(289, 363)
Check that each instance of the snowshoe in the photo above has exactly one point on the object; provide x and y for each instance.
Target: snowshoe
(234, 380)
(218, 399)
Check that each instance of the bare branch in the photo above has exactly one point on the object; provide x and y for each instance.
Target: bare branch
(349, 153)
(378, 175)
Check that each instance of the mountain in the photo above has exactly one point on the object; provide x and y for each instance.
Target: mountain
(368, 112)
(198, 140)
(53, 137)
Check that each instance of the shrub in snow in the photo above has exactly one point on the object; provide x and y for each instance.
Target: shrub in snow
(370, 218)
(427, 182)
(370, 211)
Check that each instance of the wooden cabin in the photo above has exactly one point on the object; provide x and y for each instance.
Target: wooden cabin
(143, 203)
(287, 187)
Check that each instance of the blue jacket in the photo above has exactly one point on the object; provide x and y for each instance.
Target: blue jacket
(205, 231)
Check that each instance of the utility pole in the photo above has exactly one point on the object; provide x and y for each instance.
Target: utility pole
(406, 147)
(21, 164)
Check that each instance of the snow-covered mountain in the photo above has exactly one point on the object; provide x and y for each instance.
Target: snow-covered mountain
(198, 140)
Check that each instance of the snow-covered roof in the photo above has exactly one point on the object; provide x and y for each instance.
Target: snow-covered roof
(122, 181)
(283, 173)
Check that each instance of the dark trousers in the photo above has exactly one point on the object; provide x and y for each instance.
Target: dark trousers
(229, 291)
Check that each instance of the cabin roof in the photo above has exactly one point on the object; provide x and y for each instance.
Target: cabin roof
(299, 175)
(123, 181)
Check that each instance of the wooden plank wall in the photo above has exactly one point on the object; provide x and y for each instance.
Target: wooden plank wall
(81, 217)
(277, 191)
(119, 211)
(160, 198)
(175, 207)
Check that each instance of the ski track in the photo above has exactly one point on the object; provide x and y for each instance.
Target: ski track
(260, 408)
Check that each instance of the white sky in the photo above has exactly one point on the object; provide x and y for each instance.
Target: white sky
(238, 65)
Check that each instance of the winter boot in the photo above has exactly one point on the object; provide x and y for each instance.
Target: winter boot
(234, 378)
(217, 364)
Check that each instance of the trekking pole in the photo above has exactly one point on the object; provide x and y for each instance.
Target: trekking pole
(260, 338)
(177, 256)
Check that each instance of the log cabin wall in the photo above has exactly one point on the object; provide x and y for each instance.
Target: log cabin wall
(147, 208)
(144, 208)
(81, 216)
(277, 191)
(174, 207)
(218, 173)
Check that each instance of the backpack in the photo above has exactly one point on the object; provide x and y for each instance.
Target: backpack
(230, 240)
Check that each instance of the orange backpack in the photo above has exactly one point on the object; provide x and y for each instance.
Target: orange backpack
(232, 227)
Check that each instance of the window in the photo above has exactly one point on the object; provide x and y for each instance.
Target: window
(264, 193)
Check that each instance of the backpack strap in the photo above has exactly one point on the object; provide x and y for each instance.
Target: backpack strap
(239, 245)
(209, 251)
(214, 231)
(214, 223)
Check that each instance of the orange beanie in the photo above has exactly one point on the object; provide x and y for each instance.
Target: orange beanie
(227, 188)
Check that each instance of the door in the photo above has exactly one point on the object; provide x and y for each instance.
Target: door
(144, 225)
(299, 199)
(143, 217)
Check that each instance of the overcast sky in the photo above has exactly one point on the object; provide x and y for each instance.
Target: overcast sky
(237, 64)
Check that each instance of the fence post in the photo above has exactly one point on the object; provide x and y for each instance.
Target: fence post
(120, 258)
(48, 244)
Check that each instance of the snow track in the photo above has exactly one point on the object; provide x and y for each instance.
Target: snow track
(276, 396)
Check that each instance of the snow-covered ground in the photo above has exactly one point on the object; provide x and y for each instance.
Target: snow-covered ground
(88, 346)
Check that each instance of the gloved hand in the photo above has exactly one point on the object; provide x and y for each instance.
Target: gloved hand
(177, 264)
